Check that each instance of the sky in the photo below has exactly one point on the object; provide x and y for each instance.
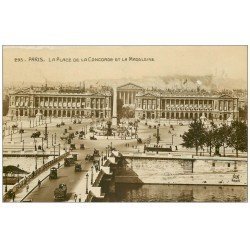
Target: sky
(220, 61)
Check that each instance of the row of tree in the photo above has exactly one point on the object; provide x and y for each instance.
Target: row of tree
(215, 136)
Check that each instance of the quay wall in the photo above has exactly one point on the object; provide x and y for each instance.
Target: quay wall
(209, 171)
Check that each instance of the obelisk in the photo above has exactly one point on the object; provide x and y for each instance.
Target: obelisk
(114, 116)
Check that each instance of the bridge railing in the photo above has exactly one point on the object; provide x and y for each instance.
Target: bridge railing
(32, 175)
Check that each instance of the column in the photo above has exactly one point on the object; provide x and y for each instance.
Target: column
(124, 100)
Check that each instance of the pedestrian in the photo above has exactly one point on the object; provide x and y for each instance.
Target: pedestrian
(58, 165)
(27, 188)
(80, 199)
(39, 183)
(33, 174)
(13, 196)
(75, 197)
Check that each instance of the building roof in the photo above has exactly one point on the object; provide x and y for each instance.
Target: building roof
(129, 86)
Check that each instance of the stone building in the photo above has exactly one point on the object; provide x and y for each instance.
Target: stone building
(127, 93)
(55, 103)
(154, 105)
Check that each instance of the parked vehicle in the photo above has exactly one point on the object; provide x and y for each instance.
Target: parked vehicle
(21, 131)
(53, 173)
(82, 146)
(62, 123)
(72, 146)
(60, 193)
(93, 138)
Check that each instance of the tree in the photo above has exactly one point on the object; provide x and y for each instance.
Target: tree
(238, 136)
(195, 136)
(220, 138)
(243, 113)
(209, 137)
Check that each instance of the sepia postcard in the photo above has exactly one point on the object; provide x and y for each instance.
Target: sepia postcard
(124, 124)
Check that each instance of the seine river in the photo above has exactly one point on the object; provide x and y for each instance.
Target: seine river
(176, 193)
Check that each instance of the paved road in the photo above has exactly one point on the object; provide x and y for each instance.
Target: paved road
(68, 176)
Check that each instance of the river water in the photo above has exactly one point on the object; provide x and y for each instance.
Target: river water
(176, 193)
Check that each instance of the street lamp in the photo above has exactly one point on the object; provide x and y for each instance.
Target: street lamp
(11, 135)
(55, 138)
(54, 152)
(43, 157)
(59, 152)
(42, 143)
(52, 139)
(6, 180)
(23, 146)
(87, 180)
(35, 145)
(92, 174)
(36, 162)
(102, 158)
(18, 173)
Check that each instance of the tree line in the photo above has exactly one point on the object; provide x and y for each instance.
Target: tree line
(215, 137)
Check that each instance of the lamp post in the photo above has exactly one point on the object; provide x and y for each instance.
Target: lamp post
(6, 180)
(35, 145)
(30, 123)
(102, 158)
(46, 132)
(33, 122)
(87, 180)
(21, 132)
(11, 135)
(42, 143)
(18, 173)
(92, 174)
(23, 146)
(43, 157)
(52, 139)
(55, 138)
(54, 151)
(36, 162)
(59, 147)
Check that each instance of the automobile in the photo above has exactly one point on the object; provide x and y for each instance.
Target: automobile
(36, 134)
(58, 125)
(72, 146)
(93, 138)
(70, 128)
(89, 157)
(82, 146)
(78, 167)
(53, 173)
(62, 123)
(139, 140)
(21, 131)
(181, 124)
(60, 193)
